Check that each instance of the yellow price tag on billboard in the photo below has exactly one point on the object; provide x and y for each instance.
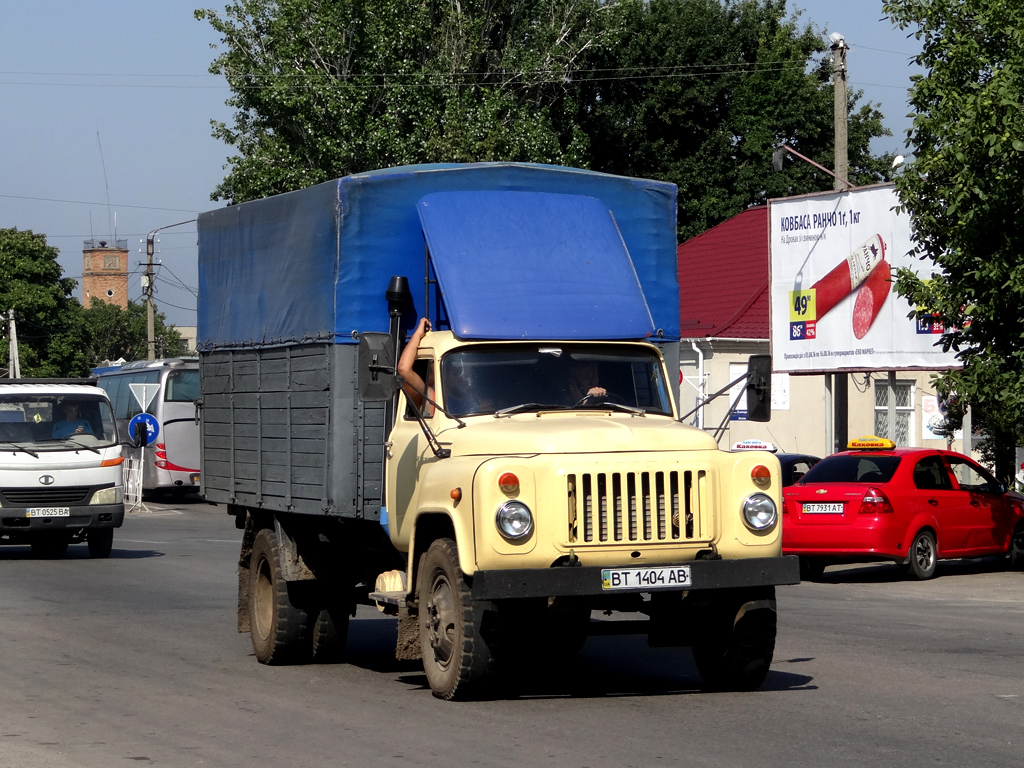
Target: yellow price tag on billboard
(802, 306)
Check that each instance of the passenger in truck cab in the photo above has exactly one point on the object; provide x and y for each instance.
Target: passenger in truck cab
(412, 382)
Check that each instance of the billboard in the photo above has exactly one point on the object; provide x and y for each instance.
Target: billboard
(833, 258)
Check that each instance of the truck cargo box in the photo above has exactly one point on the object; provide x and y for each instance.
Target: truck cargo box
(311, 265)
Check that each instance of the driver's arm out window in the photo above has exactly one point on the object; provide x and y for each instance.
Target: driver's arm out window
(425, 369)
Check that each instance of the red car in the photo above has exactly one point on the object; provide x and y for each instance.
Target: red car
(913, 506)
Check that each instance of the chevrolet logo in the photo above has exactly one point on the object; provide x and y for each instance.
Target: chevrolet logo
(46, 479)
(822, 490)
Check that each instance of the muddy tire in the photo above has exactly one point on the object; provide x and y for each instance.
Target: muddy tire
(328, 634)
(100, 542)
(735, 640)
(277, 626)
(456, 657)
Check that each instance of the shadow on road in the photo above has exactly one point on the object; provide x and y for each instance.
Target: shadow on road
(883, 573)
(606, 667)
(75, 552)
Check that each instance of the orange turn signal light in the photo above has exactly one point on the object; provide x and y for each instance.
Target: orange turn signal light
(456, 494)
(761, 475)
(508, 483)
(112, 462)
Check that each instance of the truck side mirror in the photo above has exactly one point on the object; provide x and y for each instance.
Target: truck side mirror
(376, 377)
(759, 388)
(141, 437)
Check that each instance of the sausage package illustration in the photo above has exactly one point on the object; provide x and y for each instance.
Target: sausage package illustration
(834, 257)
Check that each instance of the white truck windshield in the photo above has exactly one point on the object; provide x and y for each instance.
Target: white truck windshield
(485, 379)
(48, 422)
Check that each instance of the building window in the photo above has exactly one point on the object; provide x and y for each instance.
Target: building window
(111, 261)
(894, 422)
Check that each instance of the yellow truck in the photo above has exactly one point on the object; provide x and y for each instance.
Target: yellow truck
(501, 479)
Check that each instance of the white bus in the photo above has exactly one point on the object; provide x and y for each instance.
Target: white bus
(171, 459)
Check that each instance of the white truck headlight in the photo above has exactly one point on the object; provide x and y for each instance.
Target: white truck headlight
(514, 520)
(113, 495)
(759, 512)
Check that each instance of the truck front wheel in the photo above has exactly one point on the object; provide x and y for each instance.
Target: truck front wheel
(734, 640)
(455, 655)
(100, 542)
(277, 626)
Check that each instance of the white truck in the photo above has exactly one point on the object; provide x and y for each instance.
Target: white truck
(61, 473)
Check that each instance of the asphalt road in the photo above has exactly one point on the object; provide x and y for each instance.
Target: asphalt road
(135, 660)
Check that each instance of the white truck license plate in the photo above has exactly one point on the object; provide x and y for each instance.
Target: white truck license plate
(664, 577)
(48, 512)
(823, 509)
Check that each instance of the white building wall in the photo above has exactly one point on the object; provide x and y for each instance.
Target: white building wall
(801, 422)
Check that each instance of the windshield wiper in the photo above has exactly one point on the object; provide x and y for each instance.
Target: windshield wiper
(82, 445)
(617, 407)
(529, 407)
(68, 440)
(21, 448)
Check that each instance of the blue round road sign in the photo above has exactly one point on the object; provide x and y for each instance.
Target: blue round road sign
(152, 426)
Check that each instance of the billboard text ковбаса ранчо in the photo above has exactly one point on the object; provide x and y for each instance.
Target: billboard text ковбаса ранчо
(833, 258)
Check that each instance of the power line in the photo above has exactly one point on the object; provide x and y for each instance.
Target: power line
(86, 202)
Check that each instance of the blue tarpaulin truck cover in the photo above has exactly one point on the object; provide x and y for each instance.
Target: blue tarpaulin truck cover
(519, 251)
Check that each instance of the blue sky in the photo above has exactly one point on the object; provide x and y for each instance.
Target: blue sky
(105, 110)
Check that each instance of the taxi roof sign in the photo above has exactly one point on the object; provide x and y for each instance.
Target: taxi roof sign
(871, 443)
(754, 445)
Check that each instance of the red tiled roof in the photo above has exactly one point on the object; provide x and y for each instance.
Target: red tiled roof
(723, 279)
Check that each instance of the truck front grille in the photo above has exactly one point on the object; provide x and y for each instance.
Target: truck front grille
(32, 497)
(642, 507)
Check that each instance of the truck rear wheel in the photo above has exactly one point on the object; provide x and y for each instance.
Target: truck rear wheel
(455, 655)
(735, 642)
(329, 635)
(277, 626)
(100, 542)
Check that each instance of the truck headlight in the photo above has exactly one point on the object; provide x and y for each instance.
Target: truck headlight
(113, 495)
(514, 520)
(759, 512)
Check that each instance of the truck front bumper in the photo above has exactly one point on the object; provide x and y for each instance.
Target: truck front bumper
(15, 520)
(589, 580)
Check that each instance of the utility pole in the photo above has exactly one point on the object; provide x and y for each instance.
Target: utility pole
(15, 363)
(150, 309)
(840, 381)
(839, 49)
(148, 289)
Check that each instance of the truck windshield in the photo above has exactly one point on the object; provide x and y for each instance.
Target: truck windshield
(485, 379)
(48, 422)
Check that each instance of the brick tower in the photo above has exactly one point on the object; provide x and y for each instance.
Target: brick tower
(105, 273)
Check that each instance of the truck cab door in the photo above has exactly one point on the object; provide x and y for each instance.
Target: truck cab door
(407, 452)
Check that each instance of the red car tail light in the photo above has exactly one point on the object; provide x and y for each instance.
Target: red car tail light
(874, 503)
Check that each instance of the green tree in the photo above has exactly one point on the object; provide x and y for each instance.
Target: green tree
(325, 88)
(113, 333)
(701, 92)
(697, 92)
(963, 194)
(49, 321)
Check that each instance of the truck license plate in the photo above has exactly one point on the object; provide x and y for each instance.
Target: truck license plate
(823, 509)
(48, 512)
(664, 577)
